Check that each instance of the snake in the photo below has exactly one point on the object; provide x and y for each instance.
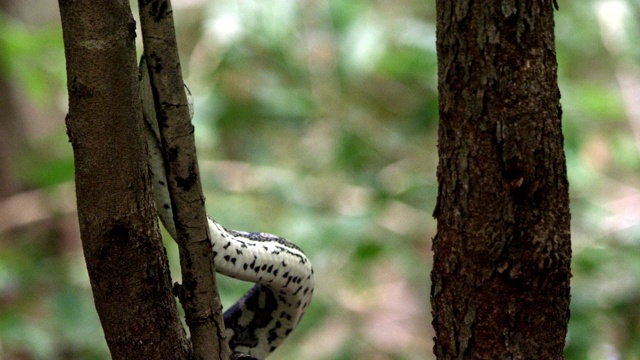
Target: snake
(265, 315)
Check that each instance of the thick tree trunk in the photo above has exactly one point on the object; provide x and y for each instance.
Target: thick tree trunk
(500, 282)
(125, 258)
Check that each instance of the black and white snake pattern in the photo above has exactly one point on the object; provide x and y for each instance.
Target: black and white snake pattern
(259, 321)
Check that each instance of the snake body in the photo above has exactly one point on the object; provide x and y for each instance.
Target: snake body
(260, 320)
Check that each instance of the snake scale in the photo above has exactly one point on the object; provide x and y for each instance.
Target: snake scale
(261, 319)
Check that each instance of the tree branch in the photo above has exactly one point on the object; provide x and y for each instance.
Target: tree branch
(198, 294)
(126, 261)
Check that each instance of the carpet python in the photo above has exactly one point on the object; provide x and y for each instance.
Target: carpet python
(261, 319)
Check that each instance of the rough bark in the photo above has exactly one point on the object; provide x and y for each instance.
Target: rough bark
(198, 292)
(125, 258)
(500, 281)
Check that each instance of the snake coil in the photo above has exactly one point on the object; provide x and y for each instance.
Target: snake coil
(261, 319)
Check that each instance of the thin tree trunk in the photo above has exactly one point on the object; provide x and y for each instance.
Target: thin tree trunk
(125, 258)
(500, 281)
(199, 292)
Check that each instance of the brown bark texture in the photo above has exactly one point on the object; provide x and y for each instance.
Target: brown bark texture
(198, 292)
(126, 261)
(502, 253)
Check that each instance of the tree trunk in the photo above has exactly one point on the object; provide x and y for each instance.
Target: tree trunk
(199, 291)
(125, 258)
(500, 281)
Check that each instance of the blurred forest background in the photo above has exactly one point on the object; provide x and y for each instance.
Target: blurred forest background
(316, 120)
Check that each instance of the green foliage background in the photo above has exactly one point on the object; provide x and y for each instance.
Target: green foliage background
(316, 121)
